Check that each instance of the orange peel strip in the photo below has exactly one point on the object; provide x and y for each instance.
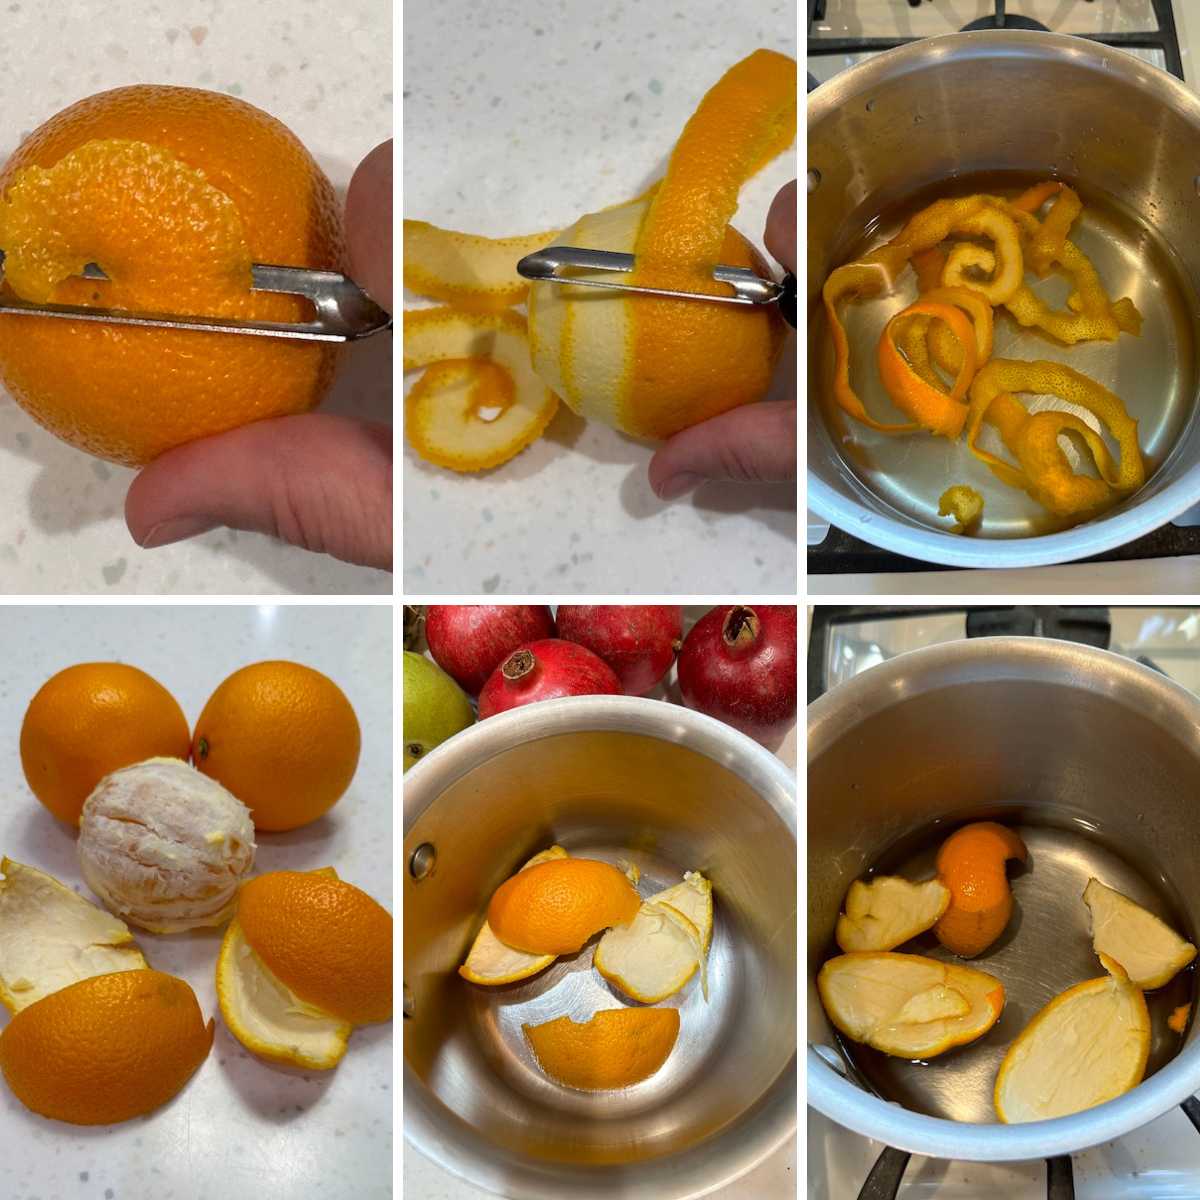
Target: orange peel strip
(933, 409)
(745, 119)
(445, 414)
(471, 272)
(56, 220)
(964, 504)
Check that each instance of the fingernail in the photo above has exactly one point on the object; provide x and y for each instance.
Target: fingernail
(676, 485)
(178, 529)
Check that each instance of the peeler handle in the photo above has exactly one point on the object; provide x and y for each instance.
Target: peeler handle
(787, 300)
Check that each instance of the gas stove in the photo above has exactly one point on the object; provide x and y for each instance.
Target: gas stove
(844, 32)
(1160, 1161)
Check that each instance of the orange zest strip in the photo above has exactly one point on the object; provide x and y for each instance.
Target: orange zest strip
(940, 412)
(480, 403)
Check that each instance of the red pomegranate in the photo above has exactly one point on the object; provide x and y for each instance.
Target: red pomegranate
(639, 641)
(546, 670)
(738, 664)
(469, 641)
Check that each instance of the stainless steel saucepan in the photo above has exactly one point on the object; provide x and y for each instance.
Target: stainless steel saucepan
(616, 778)
(1096, 760)
(923, 120)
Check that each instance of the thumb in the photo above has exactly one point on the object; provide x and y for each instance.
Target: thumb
(754, 444)
(319, 481)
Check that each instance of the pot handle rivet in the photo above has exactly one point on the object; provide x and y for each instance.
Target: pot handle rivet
(814, 180)
(410, 1004)
(423, 861)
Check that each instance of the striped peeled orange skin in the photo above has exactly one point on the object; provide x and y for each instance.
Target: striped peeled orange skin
(107, 1048)
(173, 192)
(325, 939)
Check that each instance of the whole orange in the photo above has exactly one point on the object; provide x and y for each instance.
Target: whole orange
(283, 739)
(173, 192)
(325, 939)
(90, 720)
(107, 1048)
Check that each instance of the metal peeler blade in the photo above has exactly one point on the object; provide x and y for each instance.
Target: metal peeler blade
(344, 312)
(748, 288)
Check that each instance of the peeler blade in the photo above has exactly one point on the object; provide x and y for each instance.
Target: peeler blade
(343, 311)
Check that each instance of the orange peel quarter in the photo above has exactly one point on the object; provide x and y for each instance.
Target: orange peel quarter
(907, 1005)
(615, 1049)
(553, 908)
(468, 271)
(172, 239)
(971, 864)
(480, 402)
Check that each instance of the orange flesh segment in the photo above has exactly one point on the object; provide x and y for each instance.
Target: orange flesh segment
(185, 245)
(478, 363)
(615, 1049)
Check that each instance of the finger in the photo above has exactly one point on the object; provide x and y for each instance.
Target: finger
(755, 444)
(369, 224)
(316, 480)
(780, 233)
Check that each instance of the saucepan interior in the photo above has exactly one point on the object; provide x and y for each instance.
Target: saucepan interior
(1099, 759)
(931, 119)
(629, 781)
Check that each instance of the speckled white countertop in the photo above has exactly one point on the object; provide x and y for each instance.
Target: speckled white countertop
(772, 1179)
(325, 70)
(520, 117)
(240, 1129)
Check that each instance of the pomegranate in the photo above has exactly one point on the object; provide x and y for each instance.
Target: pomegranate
(546, 670)
(469, 641)
(738, 664)
(639, 641)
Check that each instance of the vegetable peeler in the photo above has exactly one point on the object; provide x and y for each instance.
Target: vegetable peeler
(748, 288)
(344, 312)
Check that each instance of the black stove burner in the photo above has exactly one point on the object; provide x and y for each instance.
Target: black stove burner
(1005, 21)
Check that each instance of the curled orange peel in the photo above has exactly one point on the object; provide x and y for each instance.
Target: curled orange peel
(479, 403)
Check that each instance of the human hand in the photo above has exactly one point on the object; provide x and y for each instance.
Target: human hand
(316, 480)
(753, 443)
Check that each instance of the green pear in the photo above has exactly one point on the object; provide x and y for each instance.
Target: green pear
(435, 707)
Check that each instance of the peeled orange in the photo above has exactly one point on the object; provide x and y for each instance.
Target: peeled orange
(90, 720)
(107, 1048)
(173, 192)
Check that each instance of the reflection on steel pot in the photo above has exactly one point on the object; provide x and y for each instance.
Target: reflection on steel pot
(1044, 105)
(1100, 754)
(610, 777)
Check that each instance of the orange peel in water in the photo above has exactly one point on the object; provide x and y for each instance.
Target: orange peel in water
(970, 864)
(646, 365)
(173, 192)
(480, 402)
(615, 1049)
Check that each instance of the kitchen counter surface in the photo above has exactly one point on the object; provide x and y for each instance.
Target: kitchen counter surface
(240, 1129)
(520, 117)
(326, 71)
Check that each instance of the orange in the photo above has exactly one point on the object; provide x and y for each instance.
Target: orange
(555, 907)
(173, 192)
(91, 720)
(616, 1048)
(971, 864)
(325, 939)
(107, 1048)
(283, 739)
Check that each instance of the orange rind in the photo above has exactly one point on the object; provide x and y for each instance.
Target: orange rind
(555, 907)
(907, 1005)
(490, 962)
(971, 865)
(480, 403)
(615, 1049)
(1150, 952)
(887, 911)
(1088, 1045)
